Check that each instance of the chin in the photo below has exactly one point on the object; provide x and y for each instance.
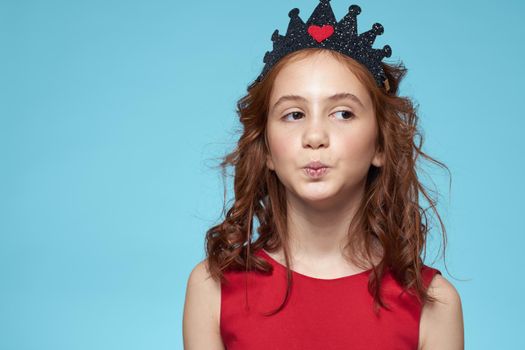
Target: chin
(323, 194)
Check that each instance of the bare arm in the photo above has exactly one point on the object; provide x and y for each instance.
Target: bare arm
(200, 325)
(441, 324)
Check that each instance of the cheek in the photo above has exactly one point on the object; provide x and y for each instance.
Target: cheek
(281, 146)
(358, 148)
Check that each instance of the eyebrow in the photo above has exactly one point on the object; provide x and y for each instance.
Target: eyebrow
(336, 97)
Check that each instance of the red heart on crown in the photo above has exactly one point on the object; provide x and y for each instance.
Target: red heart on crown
(320, 33)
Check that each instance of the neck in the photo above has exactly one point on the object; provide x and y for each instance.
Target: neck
(318, 230)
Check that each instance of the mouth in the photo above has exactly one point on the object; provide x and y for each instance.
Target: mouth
(316, 165)
(315, 172)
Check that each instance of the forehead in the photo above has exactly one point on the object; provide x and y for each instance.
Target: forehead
(316, 76)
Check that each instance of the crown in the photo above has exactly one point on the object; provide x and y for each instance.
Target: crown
(322, 30)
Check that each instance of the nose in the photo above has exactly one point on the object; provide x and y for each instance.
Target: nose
(316, 132)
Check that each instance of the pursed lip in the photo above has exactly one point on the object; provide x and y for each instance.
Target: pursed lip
(316, 165)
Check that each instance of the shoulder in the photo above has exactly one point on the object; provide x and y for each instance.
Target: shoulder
(200, 276)
(201, 327)
(203, 288)
(441, 325)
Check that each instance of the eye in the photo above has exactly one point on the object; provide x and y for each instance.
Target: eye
(293, 114)
(349, 114)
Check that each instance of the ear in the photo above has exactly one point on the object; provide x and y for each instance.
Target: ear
(379, 159)
(269, 162)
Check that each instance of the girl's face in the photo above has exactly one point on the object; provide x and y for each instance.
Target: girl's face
(320, 111)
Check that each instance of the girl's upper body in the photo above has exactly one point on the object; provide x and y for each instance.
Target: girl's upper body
(322, 313)
(333, 313)
(353, 232)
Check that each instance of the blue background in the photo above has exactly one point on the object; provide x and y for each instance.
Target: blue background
(112, 115)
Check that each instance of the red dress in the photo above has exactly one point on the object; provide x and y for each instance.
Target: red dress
(319, 314)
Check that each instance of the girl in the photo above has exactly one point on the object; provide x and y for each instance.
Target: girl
(327, 165)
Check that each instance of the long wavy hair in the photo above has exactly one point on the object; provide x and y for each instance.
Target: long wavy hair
(390, 223)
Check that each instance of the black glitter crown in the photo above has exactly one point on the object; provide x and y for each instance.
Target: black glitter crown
(322, 30)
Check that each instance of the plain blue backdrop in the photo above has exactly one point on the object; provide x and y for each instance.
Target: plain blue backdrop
(112, 114)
